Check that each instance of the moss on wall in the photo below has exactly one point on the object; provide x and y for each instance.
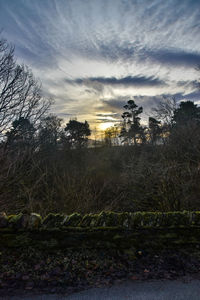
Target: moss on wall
(103, 219)
(140, 230)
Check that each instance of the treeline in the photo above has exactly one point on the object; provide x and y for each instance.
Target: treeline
(46, 167)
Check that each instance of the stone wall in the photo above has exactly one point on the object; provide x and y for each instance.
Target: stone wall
(140, 230)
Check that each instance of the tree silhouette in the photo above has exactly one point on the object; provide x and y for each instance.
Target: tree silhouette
(49, 132)
(154, 129)
(77, 133)
(131, 126)
(21, 134)
(186, 112)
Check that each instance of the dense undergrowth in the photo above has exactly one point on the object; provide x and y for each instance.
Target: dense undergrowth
(123, 178)
(159, 174)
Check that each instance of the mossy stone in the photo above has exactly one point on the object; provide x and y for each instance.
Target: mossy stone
(159, 219)
(53, 221)
(15, 221)
(112, 219)
(101, 219)
(195, 218)
(145, 219)
(86, 220)
(3, 220)
(176, 219)
(123, 219)
(19, 221)
(137, 220)
(25, 220)
(94, 220)
(35, 221)
(72, 220)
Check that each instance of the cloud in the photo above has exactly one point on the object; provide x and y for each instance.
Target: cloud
(130, 52)
(109, 51)
(194, 96)
(107, 117)
(107, 121)
(137, 81)
(115, 104)
(175, 57)
(194, 84)
(106, 114)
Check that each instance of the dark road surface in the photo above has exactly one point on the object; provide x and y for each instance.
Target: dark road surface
(148, 290)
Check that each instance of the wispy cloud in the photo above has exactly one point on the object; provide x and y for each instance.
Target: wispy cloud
(92, 56)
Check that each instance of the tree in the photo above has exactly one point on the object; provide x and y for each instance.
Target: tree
(164, 111)
(154, 129)
(77, 133)
(20, 92)
(112, 136)
(49, 132)
(184, 138)
(21, 135)
(186, 112)
(131, 128)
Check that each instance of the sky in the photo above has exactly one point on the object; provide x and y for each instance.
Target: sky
(93, 55)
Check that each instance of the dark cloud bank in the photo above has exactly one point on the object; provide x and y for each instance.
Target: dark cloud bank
(125, 81)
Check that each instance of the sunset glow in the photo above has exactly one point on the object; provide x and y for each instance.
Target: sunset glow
(92, 56)
(104, 126)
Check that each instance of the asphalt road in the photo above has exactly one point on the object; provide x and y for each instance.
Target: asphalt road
(148, 290)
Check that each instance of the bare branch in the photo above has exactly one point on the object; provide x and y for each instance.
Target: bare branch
(20, 92)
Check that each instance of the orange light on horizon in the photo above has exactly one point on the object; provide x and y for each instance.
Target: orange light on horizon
(106, 125)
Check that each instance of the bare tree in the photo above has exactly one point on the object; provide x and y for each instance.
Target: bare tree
(20, 92)
(164, 111)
